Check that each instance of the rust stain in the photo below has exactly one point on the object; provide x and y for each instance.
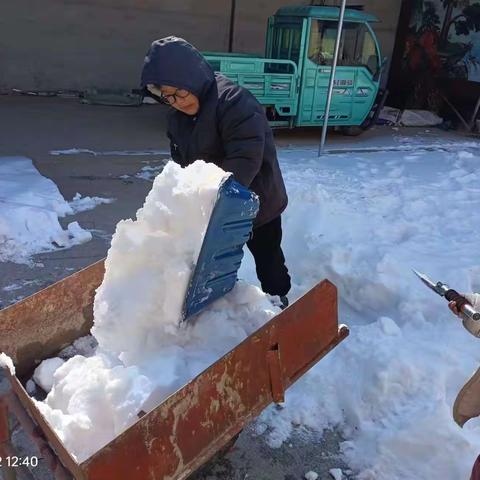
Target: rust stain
(228, 387)
(180, 410)
(214, 406)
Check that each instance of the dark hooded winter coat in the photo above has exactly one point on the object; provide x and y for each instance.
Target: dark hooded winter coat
(230, 128)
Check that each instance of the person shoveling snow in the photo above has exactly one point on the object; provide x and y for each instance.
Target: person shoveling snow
(215, 120)
(143, 353)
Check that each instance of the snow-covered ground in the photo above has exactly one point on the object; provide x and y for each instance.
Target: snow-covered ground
(30, 206)
(364, 218)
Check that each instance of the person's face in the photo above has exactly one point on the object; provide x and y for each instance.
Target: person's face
(182, 100)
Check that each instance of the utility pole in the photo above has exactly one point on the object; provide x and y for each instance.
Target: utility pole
(231, 32)
(332, 77)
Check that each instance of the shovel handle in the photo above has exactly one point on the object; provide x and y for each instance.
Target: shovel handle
(463, 305)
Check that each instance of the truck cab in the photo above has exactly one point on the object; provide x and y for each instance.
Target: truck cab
(291, 80)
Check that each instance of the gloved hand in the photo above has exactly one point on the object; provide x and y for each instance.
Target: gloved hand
(473, 299)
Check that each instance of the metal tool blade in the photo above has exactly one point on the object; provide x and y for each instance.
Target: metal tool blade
(427, 281)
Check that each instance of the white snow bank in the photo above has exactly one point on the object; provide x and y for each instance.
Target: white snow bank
(81, 204)
(30, 206)
(143, 355)
(364, 221)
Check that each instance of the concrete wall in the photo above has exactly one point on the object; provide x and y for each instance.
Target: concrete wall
(53, 44)
(251, 23)
(74, 44)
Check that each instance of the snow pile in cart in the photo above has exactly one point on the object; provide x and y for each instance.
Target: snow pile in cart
(363, 221)
(143, 355)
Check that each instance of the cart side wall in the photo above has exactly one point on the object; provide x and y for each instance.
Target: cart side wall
(42, 324)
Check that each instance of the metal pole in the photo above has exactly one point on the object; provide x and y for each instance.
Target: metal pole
(231, 32)
(332, 77)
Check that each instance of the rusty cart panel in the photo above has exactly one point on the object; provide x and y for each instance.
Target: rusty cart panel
(189, 427)
(40, 325)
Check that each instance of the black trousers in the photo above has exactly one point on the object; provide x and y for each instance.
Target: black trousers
(269, 259)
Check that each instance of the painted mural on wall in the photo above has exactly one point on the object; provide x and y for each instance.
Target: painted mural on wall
(444, 39)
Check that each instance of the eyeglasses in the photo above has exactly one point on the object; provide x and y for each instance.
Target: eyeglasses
(168, 99)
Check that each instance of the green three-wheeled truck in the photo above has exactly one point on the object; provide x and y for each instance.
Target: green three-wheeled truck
(291, 81)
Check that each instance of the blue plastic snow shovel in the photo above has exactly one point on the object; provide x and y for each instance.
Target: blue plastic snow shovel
(221, 254)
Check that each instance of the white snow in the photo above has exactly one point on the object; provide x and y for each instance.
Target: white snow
(30, 206)
(30, 387)
(390, 386)
(80, 204)
(18, 286)
(336, 473)
(143, 355)
(6, 361)
(149, 172)
(311, 475)
(43, 375)
(117, 153)
(362, 217)
(92, 399)
(85, 346)
(77, 232)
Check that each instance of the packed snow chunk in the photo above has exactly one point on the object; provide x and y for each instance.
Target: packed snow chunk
(31, 387)
(336, 473)
(30, 208)
(81, 204)
(93, 400)
(311, 475)
(43, 375)
(6, 362)
(78, 234)
(389, 326)
(138, 306)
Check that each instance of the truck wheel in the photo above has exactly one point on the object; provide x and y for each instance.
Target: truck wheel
(352, 131)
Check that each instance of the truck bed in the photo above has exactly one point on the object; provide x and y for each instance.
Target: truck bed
(273, 82)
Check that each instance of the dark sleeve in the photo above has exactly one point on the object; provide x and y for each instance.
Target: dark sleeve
(173, 149)
(242, 129)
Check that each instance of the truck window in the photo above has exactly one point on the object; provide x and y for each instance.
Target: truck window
(286, 42)
(357, 46)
